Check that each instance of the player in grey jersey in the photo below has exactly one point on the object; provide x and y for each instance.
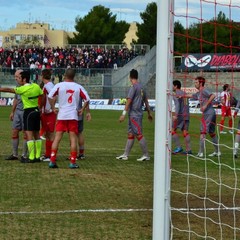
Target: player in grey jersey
(16, 116)
(135, 100)
(180, 119)
(237, 137)
(81, 139)
(208, 120)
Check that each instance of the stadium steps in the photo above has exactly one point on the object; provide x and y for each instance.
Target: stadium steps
(93, 80)
(7, 79)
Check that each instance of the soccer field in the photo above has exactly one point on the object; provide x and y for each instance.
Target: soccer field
(205, 194)
(104, 199)
(111, 199)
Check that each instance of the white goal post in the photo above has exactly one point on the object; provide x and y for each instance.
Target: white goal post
(162, 156)
(197, 196)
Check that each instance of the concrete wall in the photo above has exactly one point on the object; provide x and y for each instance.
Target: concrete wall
(146, 67)
(214, 80)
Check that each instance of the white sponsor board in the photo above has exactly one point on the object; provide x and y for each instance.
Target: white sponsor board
(107, 107)
(116, 101)
(102, 104)
(151, 102)
(217, 110)
(6, 101)
(99, 102)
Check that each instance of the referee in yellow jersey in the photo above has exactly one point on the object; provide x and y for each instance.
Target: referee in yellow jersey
(30, 93)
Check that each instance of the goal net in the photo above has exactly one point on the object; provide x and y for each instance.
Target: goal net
(205, 190)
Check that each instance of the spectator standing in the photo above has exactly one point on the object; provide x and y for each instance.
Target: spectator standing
(135, 100)
(32, 72)
(69, 95)
(40, 58)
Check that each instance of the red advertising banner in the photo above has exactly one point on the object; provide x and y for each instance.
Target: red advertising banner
(210, 61)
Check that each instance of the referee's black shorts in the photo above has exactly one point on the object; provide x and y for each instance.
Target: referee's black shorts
(31, 119)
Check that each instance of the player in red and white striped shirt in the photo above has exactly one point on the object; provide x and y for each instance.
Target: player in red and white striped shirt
(226, 108)
(69, 95)
(48, 117)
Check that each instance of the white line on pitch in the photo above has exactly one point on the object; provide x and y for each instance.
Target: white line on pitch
(205, 209)
(78, 211)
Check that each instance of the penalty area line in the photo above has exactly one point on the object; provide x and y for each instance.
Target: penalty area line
(78, 211)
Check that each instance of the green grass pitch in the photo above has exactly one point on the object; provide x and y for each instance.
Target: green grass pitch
(43, 201)
(106, 198)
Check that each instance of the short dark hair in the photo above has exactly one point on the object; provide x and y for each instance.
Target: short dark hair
(177, 83)
(225, 86)
(134, 74)
(70, 73)
(201, 80)
(46, 74)
(25, 75)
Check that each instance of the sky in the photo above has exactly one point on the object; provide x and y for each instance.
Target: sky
(62, 14)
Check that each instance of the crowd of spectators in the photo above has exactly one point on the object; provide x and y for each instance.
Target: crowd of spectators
(62, 58)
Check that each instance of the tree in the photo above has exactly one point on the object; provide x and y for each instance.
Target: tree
(147, 31)
(180, 44)
(99, 26)
(217, 35)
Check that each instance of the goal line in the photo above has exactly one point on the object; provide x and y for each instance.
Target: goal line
(78, 211)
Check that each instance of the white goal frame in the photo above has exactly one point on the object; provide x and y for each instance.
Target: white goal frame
(162, 156)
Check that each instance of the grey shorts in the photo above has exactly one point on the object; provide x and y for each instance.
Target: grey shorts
(17, 122)
(80, 126)
(181, 124)
(135, 125)
(239, 124)
(208, 123)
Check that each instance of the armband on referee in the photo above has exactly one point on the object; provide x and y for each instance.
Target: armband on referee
(124, 112)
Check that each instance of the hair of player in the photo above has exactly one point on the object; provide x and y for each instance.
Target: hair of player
(177, 83)
(25, 75)
(201, 80)
(46, 74)
(134, 74)
(70, 73)
(225, 87)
